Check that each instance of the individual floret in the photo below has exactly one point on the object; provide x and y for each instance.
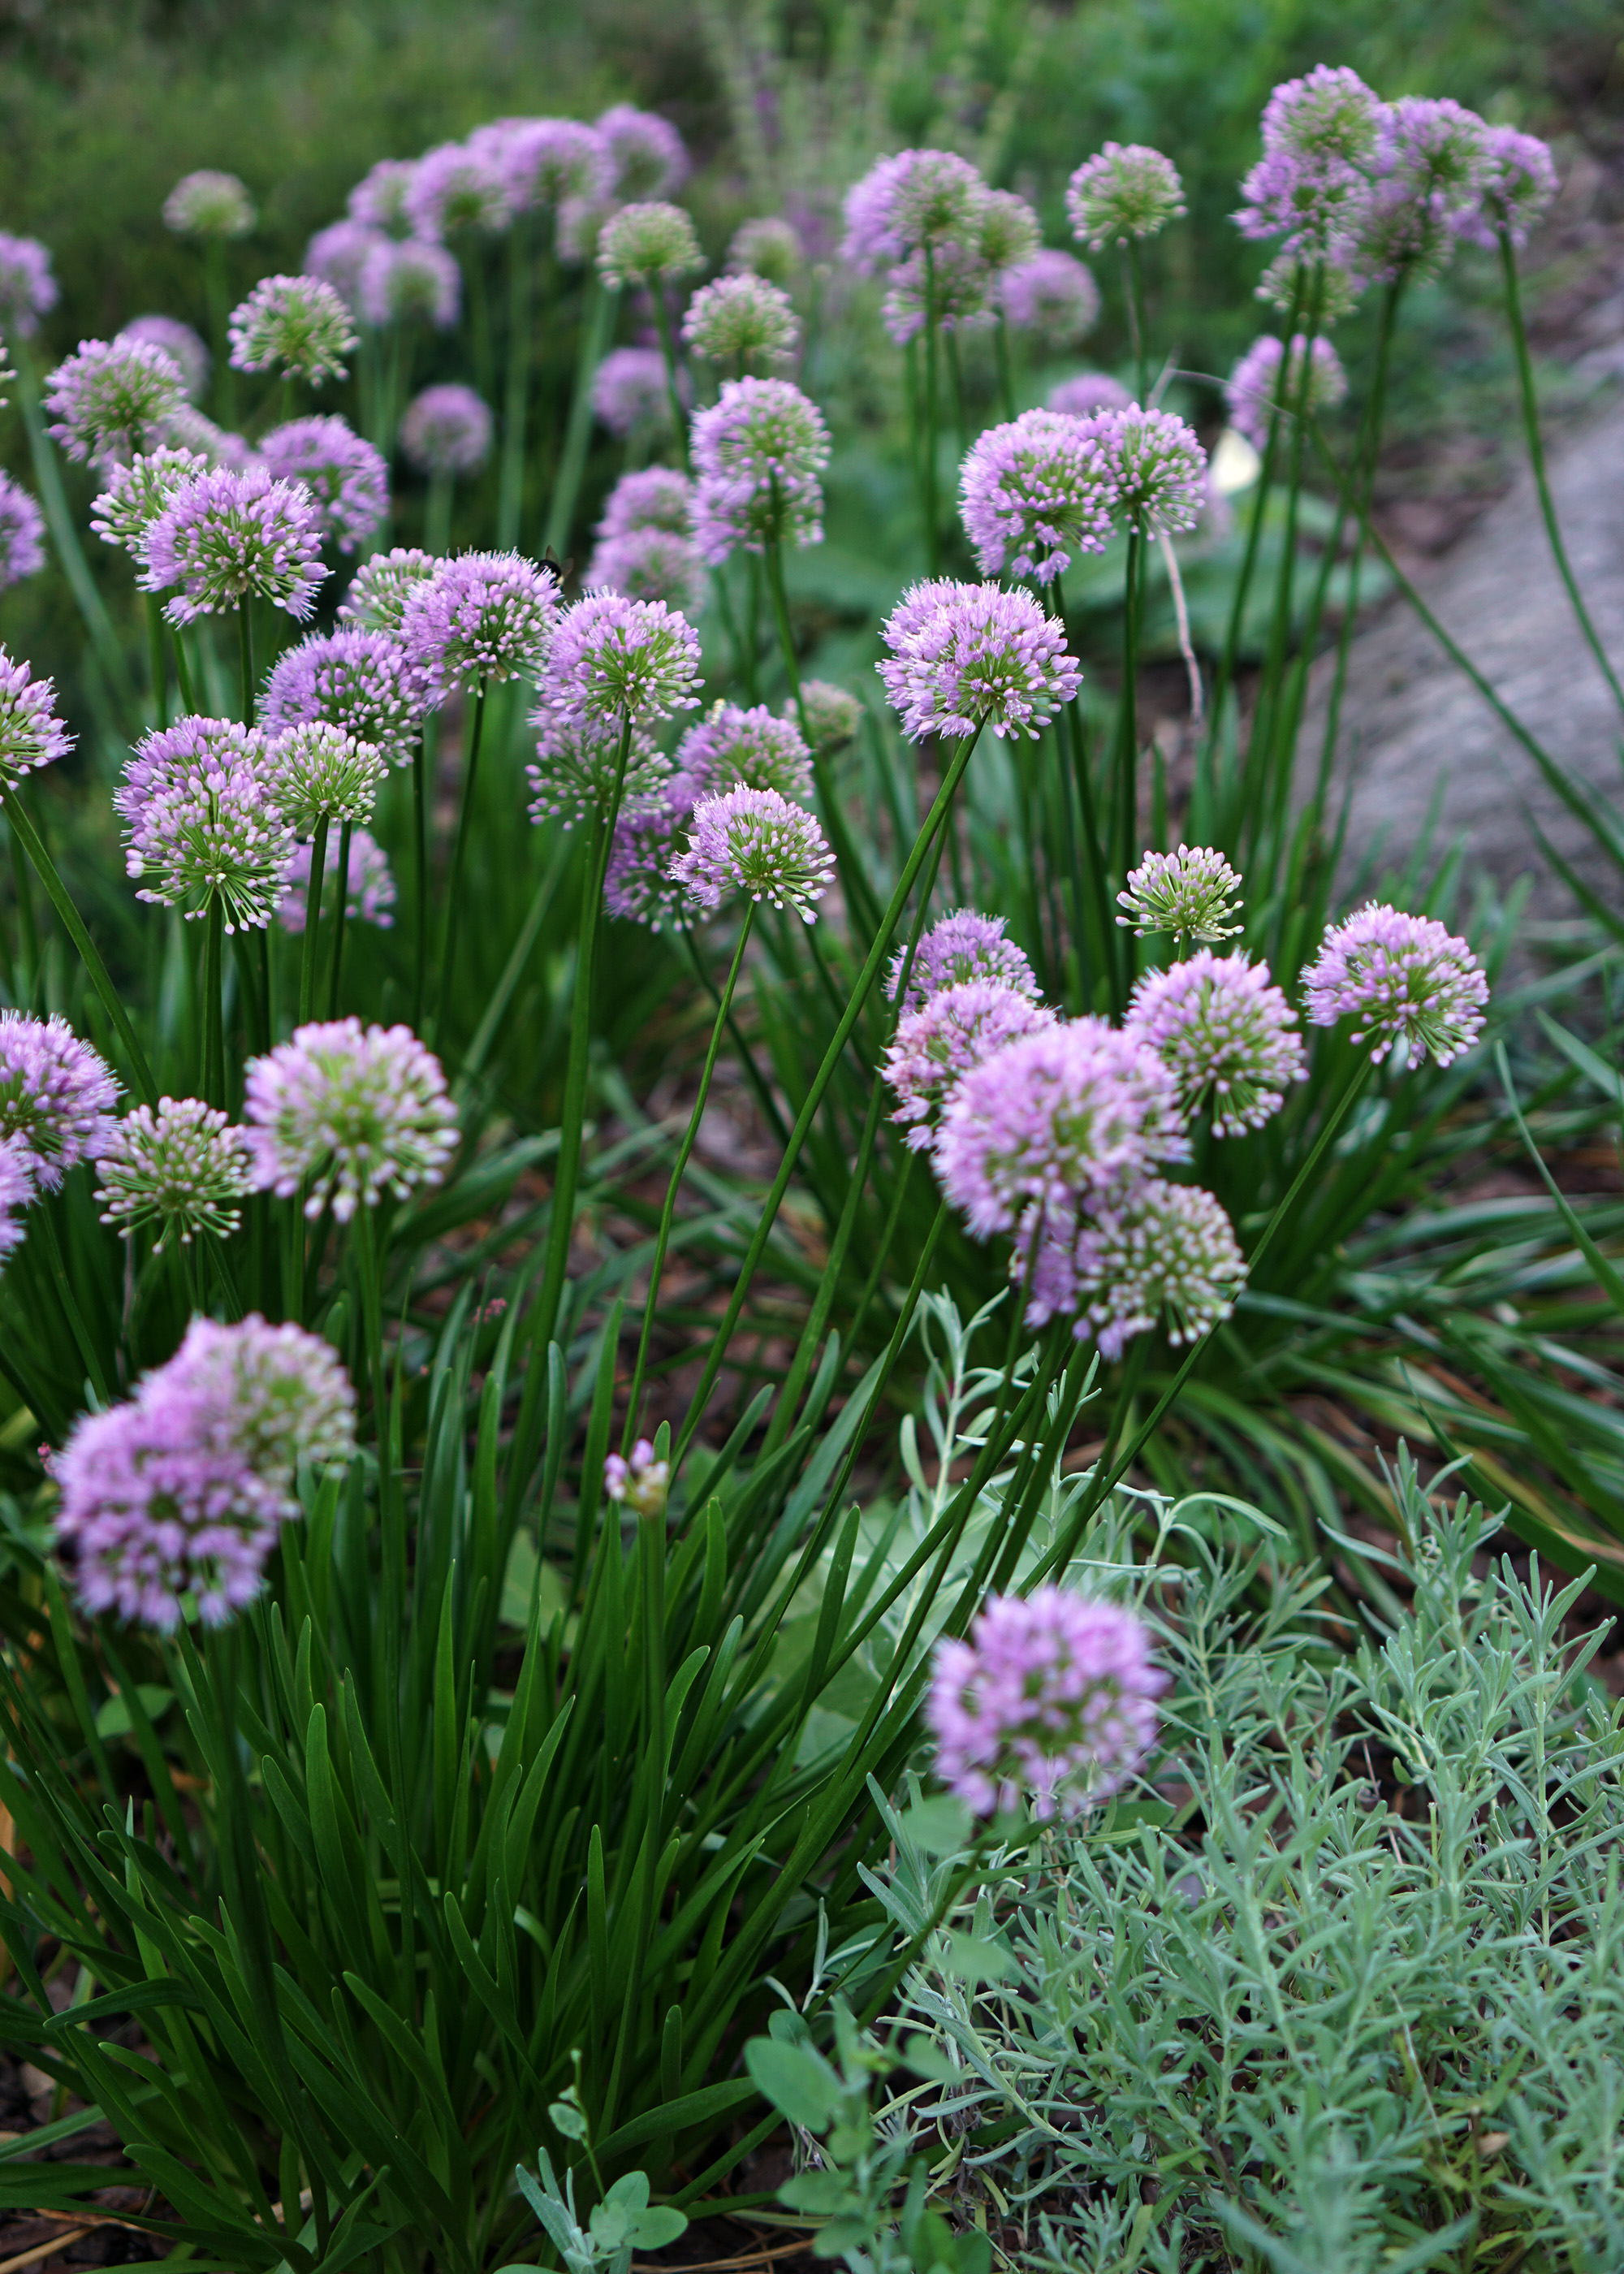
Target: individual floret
(639, 1483)
(351, 1114)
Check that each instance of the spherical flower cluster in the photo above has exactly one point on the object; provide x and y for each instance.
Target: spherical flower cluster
(210, 830)
(353, 680)
(16, 1194)
(731, 744)
(177, 341)
(1255, 385)
(1037, 492)
(1009, 236)
(1155, 1248)
(455, 190)
(224, 537)
(1220, 1029)
(22, 533)
(545, 161)
(478, 618)
(640, 1483)
(645, 243)
(160, 760)
(113, 399)
(315, 772)
(1519, 185)
(935, 1046)
(650, 832)
(369, 886)
(645, 153)
(770, 247)
(1403, 979)
(31, 734)
(447, 431)
(297, 325)
(209, 205)
(285, 1392)
(654, 497)
(579, 776)
(917, 199)
(741, 320)
(968, 656)
(831, 715)
(1089, 392)
(379, 199)
(27, 289)
(339, 254)
(648, 564)
(56, 1096)
(415, 282)
(179, 1164)
(950, 287)
(381, 588)
(352, 1113)
(1125, 190)
(1428, 175)
(1053, 1696)
(1159, 470)
(758, 453)
(1290, 282)
(1189, 894)
(617, 658)
(755, 843)
(347, 479)
(958, 948)
(1053, 297)
(1310, 182)
(629, 390)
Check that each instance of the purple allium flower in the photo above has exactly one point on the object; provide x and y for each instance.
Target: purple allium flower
(1190, 893)
(648, 564)
(758, 453)
(315, 772)
(628, 390)
(832, 716)
(1125, 190)
(617, 658)
(111, 400)
(339, 254)
(646, 155)
(31, 734)
(1519, 184)
(648, 833)
(645, 244)
(1430, 167)
(478, 618)
(22, 535)
(296, 325)
(755, 842)
(975, 656)
(446, 430)
(577, 766)
(545, 161)
(1330, 113)
(741, 318)
(640, 1483)
(179, 1164)
(1158, 467)
(413, 280)
(179, 342)
(1318, 139)
(353, 679)
(353, 1113)
(16, 1194)
(957, 949)
(918, 198)
(346, 476)
(209, 203)
(56, 1096)
(381, 588)
(190, 430)
(1218, 1024)
(1068, 1113)
(1252, 386)
(275, 1394)
(379, 199)
(1403, 979)
(1053, 1694)
(1037, 492)
(655, 497)
(933, 1047)
(752, 748)
(580, 221)
(768, 247)
(453, 191)
(162, 760)
(225, 535)
(369, 886)
(1052, 296)
(27, 289)
(952, 289)
(1009, 235)
(1089, 392)
(1155, 1248)
(210, 829)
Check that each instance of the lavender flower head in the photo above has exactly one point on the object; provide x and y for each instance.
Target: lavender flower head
(957, 949)
(935, 1046)
(16, 1194)
(832, 716)
(738, 319)
(31, 734)
(952, 289)
(1189, 894)
(1053, 1696)
(1051, 296)
(112, 399)
(628, 390)
(190, 430)
(296, 325)
(369, 893)
(1255, 382)
(1159, 469)
(731, 744)
(160, 760)
(579, 776)
(1219, 1027)
(27, 289)
(1430, 170)
(971, 656)
(179, 342)
(650, 564)
(918, 198)
(56, 1096)
(352, 679)
(277, 1395)
(339, 254)
(545, 161)
(648, 833)
(654, 497)
(1037, 492)
(479, 618)
(645, 243)
(1125, 190)
(455, 191)
(179, 1164)
(640, 1483)
(209, 831)
(224, 537)
(646, 155)
(346, 476)
(617, 658)
(770, 247)
(446, 431)
(316, 771)
(754, 843)
(381, 588)
(1329, 115)
(414, 281)
(353, 1113)
(1519, 185)
(379, 199)
(207, 204)
(758, 453)
(1403, 979)
(22, 533)
(1311, 182)
(1008, 237)
(1151, 1249)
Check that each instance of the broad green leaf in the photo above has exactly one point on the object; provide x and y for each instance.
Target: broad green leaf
(939, 1827)
(798, 2082)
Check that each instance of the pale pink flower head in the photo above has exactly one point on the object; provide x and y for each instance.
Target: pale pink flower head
(617, 658)
(935, 1046)
(740, 320)
(56, 1096)
(651, 497)
(177, 341)
(1036, 492)
(453, 192)
(295, 325)
(1089, 392)
(579, 775)
(209, 203)
(349, 1113)
(353, 679)
(758, 454)
(959, 948)
(27, 289)
(207, 831)
(545, 161)
(1225, 1031)
(379, 199)
(650, 564)
(753, 843)
(477, 618)
(415, 280)
(1151, 1252)
(969, 655)
(1255, 384)
(1053, 297)
(647, 245)
(629, 390)
(918, 198)
(1402, 979)
(640, 1483)
(339, 254)
(381, 588)
(225, 537)
(1125, 190)
(114, 398)
(1158, 469)
(1187, 895)
(22, 533)
(447, 431)
(369, 893)
(180, 1166)
(280, 1394)
(646, 156)
(32, 733)
(768, 247)
(16, 1194)
(732, 744)
(1519, 186)
(952, 289)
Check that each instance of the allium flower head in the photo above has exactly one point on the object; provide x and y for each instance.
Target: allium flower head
(654, 497)
(209, 203)
(347, 479)
(617, 658)
(545, 161)
(741, 320)
(160, 760)
(31, 734)
(1068, 1113)
(645, 244)
(1402, 979)
(1219, 1027)
(27, 289)
(224, 537)
(1009, 236)
(447, 431)
(1156, 1248)
(22, 534)
(935, 1045)
(578, 765)
(179, 1164)
(1037, 492)
(179, 342)
(650, 831)
(1431, 166)
(976, 656)
(56, 1096)
(832, 716)
(16, 1194)
(754, 843)
(1518, 185)
(647, 158)
(1051, 296)
(379, 199)
(640, 1483)
(296, 325)
(369, 886)
(957, 951)
(1053, 1696)
(916, 198)
(276, 1395)
(1255, 382)
(113, 399)
(355, 1113)
(731, 744)
(758, 454)
(768, 246)
(1328, 115)
(1190, 893)
(316, 771)
(352, 679)
(455, 191)
(1158, 467)
(190, 430)
(1125, 190)
(629, 391)
(412, 282)
(952, 289)
(339, 254)
(648, 564)
(1089, 392)
(210, 830)
(479, 618)
(381, 588)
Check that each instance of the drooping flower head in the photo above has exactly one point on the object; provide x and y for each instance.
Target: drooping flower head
(179, 342)
(640, 1483)
(1255, 384)
(832, 716)
(224, 537)
(957, 949)
(354, 1113)
(27, 289)
(545, 161)
(1125, 190)
(753, 844)
(31, 734)
(180, 1166)
(208, 203)
(339, 254)
(209, 831)
(1053, 297)
(56, 1096)
(16, 1196)
(1189, 895)
(578, 766)
(1155, 1250)
(413, 280)
(379, 199)
(917, 199)
(295, 325)
(973, 656)
(768, 246)
(1089, 392)
(112, 399)
(617, 658)
(22, 533)
(381, 588)
(369, 884)
(1158, 467)
(1222, 1029)
(648, 564)
(646, 155)
(647, 244)
(456, 191)
(316, 771)
(1402, 979)
(629, 390)
(447, 431)
(353, 680)
(935, 1046)
(1518, 184)
(739, 320)
(346, 476)
(1053, 1696)
(758, 454)
(731, 744)
(479, 617)
(1037, 492)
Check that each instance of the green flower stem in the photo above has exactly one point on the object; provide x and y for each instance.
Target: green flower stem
(65, 536)
(955, 380)
(71, 1310)
(927, 464)
(668, 1211)
(668, 349)
(244, 626)
(218, 329)
(312, 917)
(454, 893)
(25, 834)
(510, 489)
(1126, 815)
(1133, 288)
(256, 1009)
(214, 1002)
(437, 514)
(21, 976)
(1007, 377)
(158, 661)
(597, 326)
(341, 913)
(420, 839)
(183, 673)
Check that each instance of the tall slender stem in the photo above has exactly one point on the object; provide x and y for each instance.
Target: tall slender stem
(214, 1002)
(1006, 376)
(420, 838)
(510, 492)
(437, 514)
(312, 918)
(928, 466)
(454, 894)
(158, 661)
(668, 349)
(596, 323)
(245, 625)
(1127, 726)
(341, 913)
(70, 1310)
(1134, 285)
